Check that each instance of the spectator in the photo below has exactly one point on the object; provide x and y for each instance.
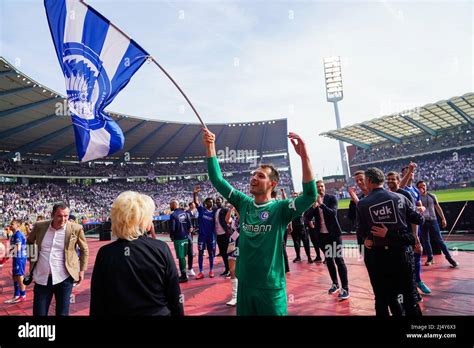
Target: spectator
(134, 275)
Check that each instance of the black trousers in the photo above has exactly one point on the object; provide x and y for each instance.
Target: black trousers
(285, 255)
(369, 262)
(392, 270)
(409, 290)
(332, 247)
(315, 239)
(298, 235)
(190, 251)
(223, 243)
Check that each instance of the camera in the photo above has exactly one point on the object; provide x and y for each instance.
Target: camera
(28, 279)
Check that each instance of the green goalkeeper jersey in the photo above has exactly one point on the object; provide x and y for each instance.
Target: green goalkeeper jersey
(260, 262)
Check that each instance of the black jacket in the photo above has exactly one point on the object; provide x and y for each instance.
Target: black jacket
(329, 209)
(393, 210)
(298, 223)
(352, 215)
(133, 278)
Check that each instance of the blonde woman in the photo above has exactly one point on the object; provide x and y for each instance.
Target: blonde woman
(134, 275)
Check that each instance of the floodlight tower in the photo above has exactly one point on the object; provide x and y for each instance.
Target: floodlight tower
(333, 77)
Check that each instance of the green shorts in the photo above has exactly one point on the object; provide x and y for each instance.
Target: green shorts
(181, 248)
(253, 301)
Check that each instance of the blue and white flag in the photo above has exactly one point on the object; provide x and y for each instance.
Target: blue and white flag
(97, 61)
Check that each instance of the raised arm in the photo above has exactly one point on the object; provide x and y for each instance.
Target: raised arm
(411, 168)
(196, 191)
(301, 150)
(215, 174)
(304, 201)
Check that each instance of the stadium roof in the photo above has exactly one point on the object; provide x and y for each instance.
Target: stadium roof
(29, 124)
(430, 119)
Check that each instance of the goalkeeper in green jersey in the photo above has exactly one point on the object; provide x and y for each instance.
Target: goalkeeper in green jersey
(263, 220)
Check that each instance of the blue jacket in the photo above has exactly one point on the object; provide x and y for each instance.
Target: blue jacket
(179, 225)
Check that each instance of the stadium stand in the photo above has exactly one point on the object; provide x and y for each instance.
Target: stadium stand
(91, 202)
(438, 137)
(38, 164)
(35, 124)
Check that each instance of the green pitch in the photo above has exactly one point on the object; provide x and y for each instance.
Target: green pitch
(464, 194)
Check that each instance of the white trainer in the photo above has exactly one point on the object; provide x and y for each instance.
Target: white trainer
(233, 300)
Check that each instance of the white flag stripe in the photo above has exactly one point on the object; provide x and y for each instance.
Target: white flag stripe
(99, 145)
(113, 50)
(75, 17)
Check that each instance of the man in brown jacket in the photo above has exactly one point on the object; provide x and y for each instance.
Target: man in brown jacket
(57, 266)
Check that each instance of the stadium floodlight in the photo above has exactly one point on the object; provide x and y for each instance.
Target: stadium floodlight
(334, 93)
(333, 76)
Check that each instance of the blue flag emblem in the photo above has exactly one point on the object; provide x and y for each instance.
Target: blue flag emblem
(97, 60)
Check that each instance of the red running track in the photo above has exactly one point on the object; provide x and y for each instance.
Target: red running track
(307, 285)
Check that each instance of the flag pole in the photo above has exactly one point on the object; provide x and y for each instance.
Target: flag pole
(159, 66)
(455, 222)
(179, 89)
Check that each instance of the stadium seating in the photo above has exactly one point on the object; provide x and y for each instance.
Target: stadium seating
(91, 202)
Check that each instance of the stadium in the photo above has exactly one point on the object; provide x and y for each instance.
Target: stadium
(178, 165)
(165, 160)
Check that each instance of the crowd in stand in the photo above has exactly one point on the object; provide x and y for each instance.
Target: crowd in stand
(438, 171)
(445, 170)
(92, 202)
(34, 167)
(414, 145)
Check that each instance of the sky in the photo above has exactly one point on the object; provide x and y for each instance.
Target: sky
(259, 60)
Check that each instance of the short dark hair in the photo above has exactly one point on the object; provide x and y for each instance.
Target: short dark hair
(394, 173)
(420, 182)
(358, 172)
(208, 199)
(375, 175)
(15, 220)
(274, 194)
(320, 181)
(59, 205)
(404, 168)
(274, 175)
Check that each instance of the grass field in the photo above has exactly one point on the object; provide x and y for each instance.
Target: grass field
(465, 194)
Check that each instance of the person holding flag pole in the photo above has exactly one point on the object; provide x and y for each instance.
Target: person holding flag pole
(260, 266)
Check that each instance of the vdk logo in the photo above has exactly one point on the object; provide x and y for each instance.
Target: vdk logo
(383, 213)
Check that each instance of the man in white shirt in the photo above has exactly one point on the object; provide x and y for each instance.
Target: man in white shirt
(58, 265)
